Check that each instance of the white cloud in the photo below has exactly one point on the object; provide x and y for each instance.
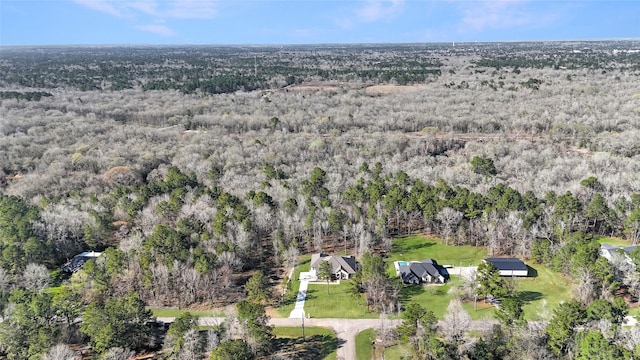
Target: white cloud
(148, 7)
(192, 9)
(158, 9)
(106, 6)
(371, 11)
(375, 10)
(502, 14)
(157, 29)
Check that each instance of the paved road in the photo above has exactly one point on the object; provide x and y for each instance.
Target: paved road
(345, 329)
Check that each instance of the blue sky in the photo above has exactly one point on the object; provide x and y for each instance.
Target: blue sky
(43, 22)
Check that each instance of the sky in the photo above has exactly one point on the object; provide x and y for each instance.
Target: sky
(158, 22)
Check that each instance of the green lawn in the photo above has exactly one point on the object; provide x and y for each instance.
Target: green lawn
(635, 311)
(613, 241)
(169, 312)
(292, 292)
(542, 293)
(481, 311)
(319, 343)
(418, 247)
(398, 352)
(433, 297)
(364, 344)
(338, 303)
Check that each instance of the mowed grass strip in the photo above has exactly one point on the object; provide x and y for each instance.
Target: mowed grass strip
(364, 344)
(318, 343)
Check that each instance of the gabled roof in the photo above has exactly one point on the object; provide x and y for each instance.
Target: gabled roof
(613, 249)
(406, 275)
(423, 269)
(76, 263)
(507, 263)
(346, 263)
(429, 261)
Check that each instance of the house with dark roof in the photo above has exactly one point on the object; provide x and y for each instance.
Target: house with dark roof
(608, 251)
(76, 263)
(509, 266)
(426, 271)
(343, 266)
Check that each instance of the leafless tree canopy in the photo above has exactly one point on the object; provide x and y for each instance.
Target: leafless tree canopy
(189, 166)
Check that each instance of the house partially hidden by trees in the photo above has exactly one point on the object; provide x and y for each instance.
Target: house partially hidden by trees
(608, 251)
(76, 263)
(343, 267)
(509, 266)
(425, 271)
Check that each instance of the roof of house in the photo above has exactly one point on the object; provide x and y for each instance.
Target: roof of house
(76, 263)
(424, 268)
(406, 275)
(613, 249)
(346, 263)
(507, 263)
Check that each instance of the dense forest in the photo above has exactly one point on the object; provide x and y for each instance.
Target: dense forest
(191, 168)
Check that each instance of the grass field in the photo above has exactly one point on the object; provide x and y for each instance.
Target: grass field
(418, 247)
(398, 352)
(613, 241)
(338, 303)
(542, 293)
(433, 297)
(319, 343)
(168, 312)
(364, 344)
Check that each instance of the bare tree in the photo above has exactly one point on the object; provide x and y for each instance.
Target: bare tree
(60, 352)
(35, 277)
(213, 340)
(191, 349)
(64, 225)
(118, 354)
(456, 322)
(449, 218)
(586, 290)
(291, 256)
(528, 343)
(4, 282)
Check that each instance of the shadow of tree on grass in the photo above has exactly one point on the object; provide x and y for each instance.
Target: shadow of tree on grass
(313, 347)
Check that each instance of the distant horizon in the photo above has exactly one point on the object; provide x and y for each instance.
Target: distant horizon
(322, 44)
(288, 22)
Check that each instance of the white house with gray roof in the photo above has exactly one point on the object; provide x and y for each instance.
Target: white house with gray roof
(608, 251)
(343, 266)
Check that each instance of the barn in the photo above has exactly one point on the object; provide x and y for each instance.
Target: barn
(509, 266)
